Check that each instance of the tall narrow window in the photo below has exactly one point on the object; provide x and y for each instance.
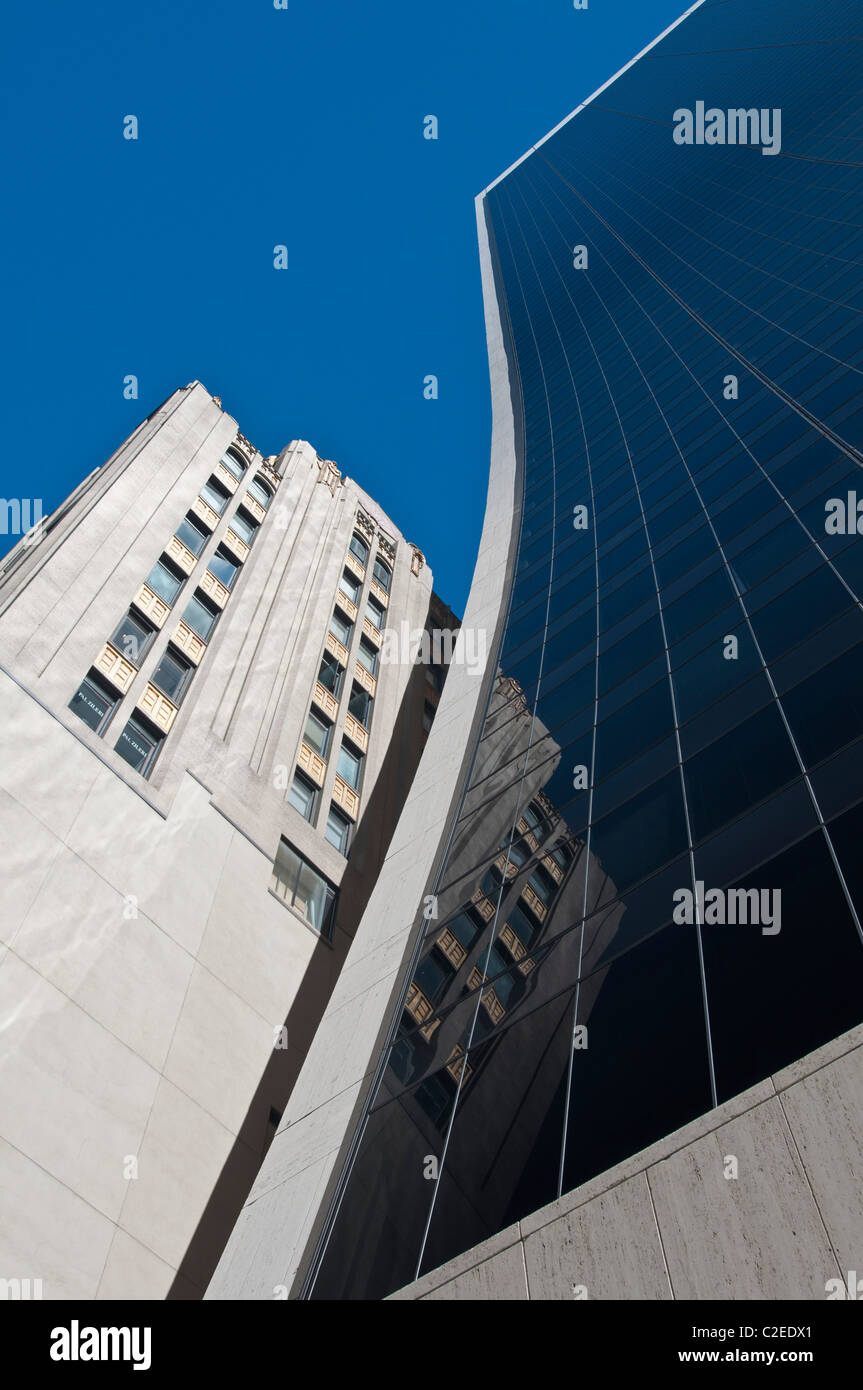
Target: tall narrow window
(331, 674)
(303, 889)
(171, 676)
(375, 612)
(164, 581)
(349, 767)
(368, 657)
(215, 497)
(383, 575)
(338, 830)
(317, 735)
(359, 549)
(341, 629)
(192, 536)
(303, 796)
(200, 617)
(350, 586)
(360, 705)
(233, 464)
(93, 703)
(138, 746)
(261, 494)
(242, 527)
(224, 568)
(132, 637)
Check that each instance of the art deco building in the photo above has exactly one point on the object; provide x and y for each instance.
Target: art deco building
(204, 756)
(554, 1089)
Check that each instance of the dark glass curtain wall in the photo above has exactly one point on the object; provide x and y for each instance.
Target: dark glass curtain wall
(679, 700)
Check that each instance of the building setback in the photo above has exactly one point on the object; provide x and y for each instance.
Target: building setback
(204, 757)
(556, 1087)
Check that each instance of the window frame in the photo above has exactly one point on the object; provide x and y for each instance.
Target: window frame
(230, 455)
(313, 718)
(150, 634)
(187, 521)
(188, 671)
(331, 893)
(111, 698)
(361, 559)
(379, 564)
(220, 554)
(157, 740)
(335, 813)
(309, 785)
(172, 573)
(216, 489)
(214, 613)
(267, 498)
(366, 646)
(348, 753)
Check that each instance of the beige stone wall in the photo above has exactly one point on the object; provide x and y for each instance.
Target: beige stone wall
(669, 1223)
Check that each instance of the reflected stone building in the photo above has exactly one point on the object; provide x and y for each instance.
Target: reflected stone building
(553, 1067)
(204, 757)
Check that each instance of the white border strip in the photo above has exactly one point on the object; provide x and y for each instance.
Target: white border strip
(593, 95)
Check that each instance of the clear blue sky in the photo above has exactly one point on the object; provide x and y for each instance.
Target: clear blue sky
(256, 127)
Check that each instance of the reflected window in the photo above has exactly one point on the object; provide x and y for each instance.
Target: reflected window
(350, 586)
(317, 735)
(375, 612)
(243, 528)
(341, 629)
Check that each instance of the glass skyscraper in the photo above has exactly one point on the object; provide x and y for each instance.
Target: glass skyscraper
(677, 711)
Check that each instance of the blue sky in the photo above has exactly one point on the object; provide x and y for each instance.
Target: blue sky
(258, 127)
